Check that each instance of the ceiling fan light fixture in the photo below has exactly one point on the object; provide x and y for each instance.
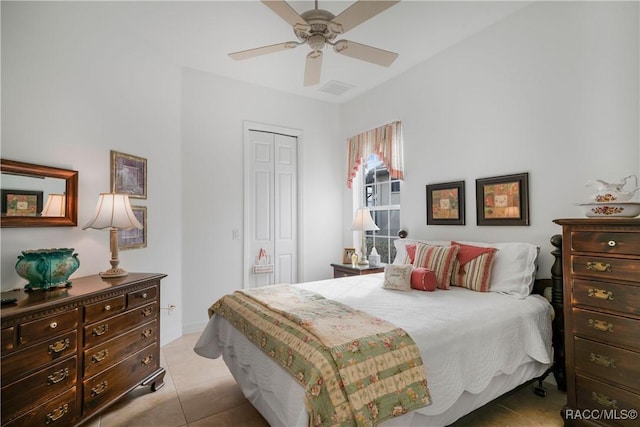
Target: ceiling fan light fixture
(318, 27)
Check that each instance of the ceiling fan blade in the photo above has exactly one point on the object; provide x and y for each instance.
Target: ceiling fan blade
(284, 11)
(360, 12)
(365, 53)
(250, 53)
(312, 68)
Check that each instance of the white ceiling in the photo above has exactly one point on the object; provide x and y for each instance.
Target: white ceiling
(201, 34)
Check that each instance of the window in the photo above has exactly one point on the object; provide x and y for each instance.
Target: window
(382, 197)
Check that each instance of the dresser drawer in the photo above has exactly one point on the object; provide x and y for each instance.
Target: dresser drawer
(32, 390)
(119, 378)
(616, 330)
(60, 411)
(48, 327)
(104, 309)
(105, 355)
(606, 268)
(102, 331)
(19, 363)
(606, 242)
(610, 296)
(608, 363)
(144, 296)
(8, 339)
(594, 395)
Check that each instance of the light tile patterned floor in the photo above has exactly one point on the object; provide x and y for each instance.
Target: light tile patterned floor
(200, 392)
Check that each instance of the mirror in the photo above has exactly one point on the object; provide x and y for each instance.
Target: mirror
(38, 196)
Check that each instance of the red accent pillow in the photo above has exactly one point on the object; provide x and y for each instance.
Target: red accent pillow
(423, 279)
(472, 268)
(411, 252)
(439, 259)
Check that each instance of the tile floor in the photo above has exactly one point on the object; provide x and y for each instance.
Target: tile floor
(200, 392)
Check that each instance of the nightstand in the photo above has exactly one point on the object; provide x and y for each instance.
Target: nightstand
(344, 270)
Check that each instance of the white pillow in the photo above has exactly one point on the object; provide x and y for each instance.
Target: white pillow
(514, 267)
(397, 277)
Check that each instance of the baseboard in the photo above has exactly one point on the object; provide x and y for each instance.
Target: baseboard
(193, 328)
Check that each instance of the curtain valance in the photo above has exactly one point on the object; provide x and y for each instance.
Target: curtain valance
(384, 141)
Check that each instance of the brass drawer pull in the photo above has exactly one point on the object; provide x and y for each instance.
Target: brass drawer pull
(601, 325)
(53, 325)
(611, 243)
(147, 312)
(100, 330)
(107, 307)
(57, 376)
(601, 360)
(144, 295)
(57, 413)
(604, 400)
(59, 346)
(99, 388)
(100, 356)
(598, 266)
(147, 333)
(600, 294)
(147, 359)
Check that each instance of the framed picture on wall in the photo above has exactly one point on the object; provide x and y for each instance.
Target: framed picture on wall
(445, 203)
(21, 202)
(134, 238)
(128, 175)
(503, 200)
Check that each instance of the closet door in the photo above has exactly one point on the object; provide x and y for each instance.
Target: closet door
(271, 204)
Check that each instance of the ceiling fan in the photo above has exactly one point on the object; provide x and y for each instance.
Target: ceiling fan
(318, 28)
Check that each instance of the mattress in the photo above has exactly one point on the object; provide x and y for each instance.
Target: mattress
(475, 346)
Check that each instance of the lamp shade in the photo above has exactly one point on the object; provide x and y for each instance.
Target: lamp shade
(363, 221)
(55, 205)
(113, 210)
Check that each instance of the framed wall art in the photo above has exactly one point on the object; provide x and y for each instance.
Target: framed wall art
(134, 238)
(128, 175)
(445, 203)
(503, 200)
(21, 202)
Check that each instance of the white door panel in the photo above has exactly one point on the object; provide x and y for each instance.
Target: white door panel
(272, 206)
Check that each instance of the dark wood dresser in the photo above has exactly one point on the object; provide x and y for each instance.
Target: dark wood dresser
(68, 353)
(601, 265)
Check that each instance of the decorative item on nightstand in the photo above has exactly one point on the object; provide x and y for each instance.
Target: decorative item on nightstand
(374, 258)
(113, 211)
(363, 223)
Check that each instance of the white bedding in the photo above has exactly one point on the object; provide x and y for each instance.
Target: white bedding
(467, 339)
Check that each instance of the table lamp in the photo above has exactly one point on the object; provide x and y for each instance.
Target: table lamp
(363, 222)
(55, 205)
(113, 211)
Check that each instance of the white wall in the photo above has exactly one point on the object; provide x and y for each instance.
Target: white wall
(73, 89)
(213, 112)
(77, 84)
(552, 91)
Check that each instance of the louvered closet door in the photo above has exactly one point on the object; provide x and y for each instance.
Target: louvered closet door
(272, 208)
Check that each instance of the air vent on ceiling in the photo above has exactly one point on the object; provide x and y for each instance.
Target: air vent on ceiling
(336, 88)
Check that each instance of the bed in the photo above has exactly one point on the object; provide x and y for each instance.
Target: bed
(475, 346)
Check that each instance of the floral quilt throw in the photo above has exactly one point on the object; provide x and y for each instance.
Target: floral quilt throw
(356, 369)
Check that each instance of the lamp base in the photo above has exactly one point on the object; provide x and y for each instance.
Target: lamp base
(114, 272)
(363, 261)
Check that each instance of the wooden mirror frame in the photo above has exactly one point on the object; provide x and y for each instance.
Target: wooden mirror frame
(71, 179)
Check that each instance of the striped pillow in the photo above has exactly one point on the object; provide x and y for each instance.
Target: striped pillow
(472, 268)
(438, 259)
